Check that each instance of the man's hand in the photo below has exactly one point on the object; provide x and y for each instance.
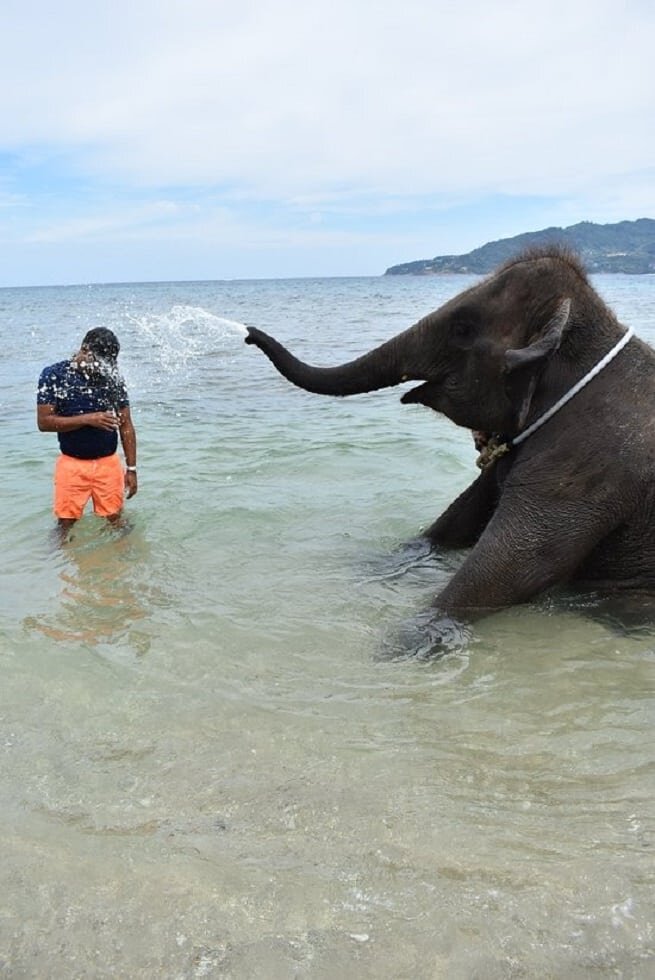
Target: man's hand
(47, 420)
(101, 420)
(131, 483)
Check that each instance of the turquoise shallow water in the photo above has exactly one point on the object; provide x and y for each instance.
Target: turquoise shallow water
(208, 770)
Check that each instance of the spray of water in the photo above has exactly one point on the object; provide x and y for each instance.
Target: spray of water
(184, 333)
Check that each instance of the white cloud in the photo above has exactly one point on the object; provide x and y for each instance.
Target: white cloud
(292, 96)
(352, 113)
(115, 224)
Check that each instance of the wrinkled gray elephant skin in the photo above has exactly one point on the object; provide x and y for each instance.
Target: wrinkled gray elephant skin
(575, 502)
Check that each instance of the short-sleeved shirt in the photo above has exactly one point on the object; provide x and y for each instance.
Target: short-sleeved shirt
(72, 392)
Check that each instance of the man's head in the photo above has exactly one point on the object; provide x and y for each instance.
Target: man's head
(103, 343)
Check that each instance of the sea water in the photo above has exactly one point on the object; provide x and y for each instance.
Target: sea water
(208, 768)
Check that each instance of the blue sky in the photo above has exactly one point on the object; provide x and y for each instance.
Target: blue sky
(203, 139)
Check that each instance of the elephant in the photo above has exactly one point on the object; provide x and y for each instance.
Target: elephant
(560, 395)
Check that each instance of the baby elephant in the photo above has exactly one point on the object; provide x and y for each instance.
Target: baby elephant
(560, 396)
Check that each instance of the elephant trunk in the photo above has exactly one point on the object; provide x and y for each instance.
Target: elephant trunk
(392, 362)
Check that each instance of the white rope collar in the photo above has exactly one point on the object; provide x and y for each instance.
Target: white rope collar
(574, 390)
(500, 450)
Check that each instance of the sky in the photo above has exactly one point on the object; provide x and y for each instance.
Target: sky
(151, 140)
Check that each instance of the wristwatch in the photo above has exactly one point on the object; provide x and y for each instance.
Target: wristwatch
(131, 469)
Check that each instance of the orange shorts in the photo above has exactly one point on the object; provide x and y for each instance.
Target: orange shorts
(79, 480)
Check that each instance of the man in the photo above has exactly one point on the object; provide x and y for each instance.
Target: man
(85, 401)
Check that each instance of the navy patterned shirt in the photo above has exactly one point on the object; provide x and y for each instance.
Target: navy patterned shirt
(71, 391)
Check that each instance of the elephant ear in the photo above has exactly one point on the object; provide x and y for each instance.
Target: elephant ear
(524, 365)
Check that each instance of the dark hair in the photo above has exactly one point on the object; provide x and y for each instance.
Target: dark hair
(102, 342)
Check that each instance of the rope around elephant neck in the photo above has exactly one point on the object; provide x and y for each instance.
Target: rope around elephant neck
(496, 450)
(517, 440)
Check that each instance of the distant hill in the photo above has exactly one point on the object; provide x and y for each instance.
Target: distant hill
(628, 246)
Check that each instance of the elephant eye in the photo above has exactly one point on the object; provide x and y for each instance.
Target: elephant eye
(463, 333)
(464, 327)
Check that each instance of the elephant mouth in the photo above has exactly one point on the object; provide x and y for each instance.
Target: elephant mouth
(425, 394)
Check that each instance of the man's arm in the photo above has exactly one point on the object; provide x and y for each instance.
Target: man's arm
(47, 420)
(128, 442)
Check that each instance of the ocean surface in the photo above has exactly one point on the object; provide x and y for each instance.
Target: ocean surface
(209, 768)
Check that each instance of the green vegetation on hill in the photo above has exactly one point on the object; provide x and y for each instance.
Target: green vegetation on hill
(628, 247)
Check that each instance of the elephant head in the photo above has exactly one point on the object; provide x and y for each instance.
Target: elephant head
(479, 356)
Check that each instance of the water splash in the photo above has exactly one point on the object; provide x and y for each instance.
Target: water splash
(184, 333)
